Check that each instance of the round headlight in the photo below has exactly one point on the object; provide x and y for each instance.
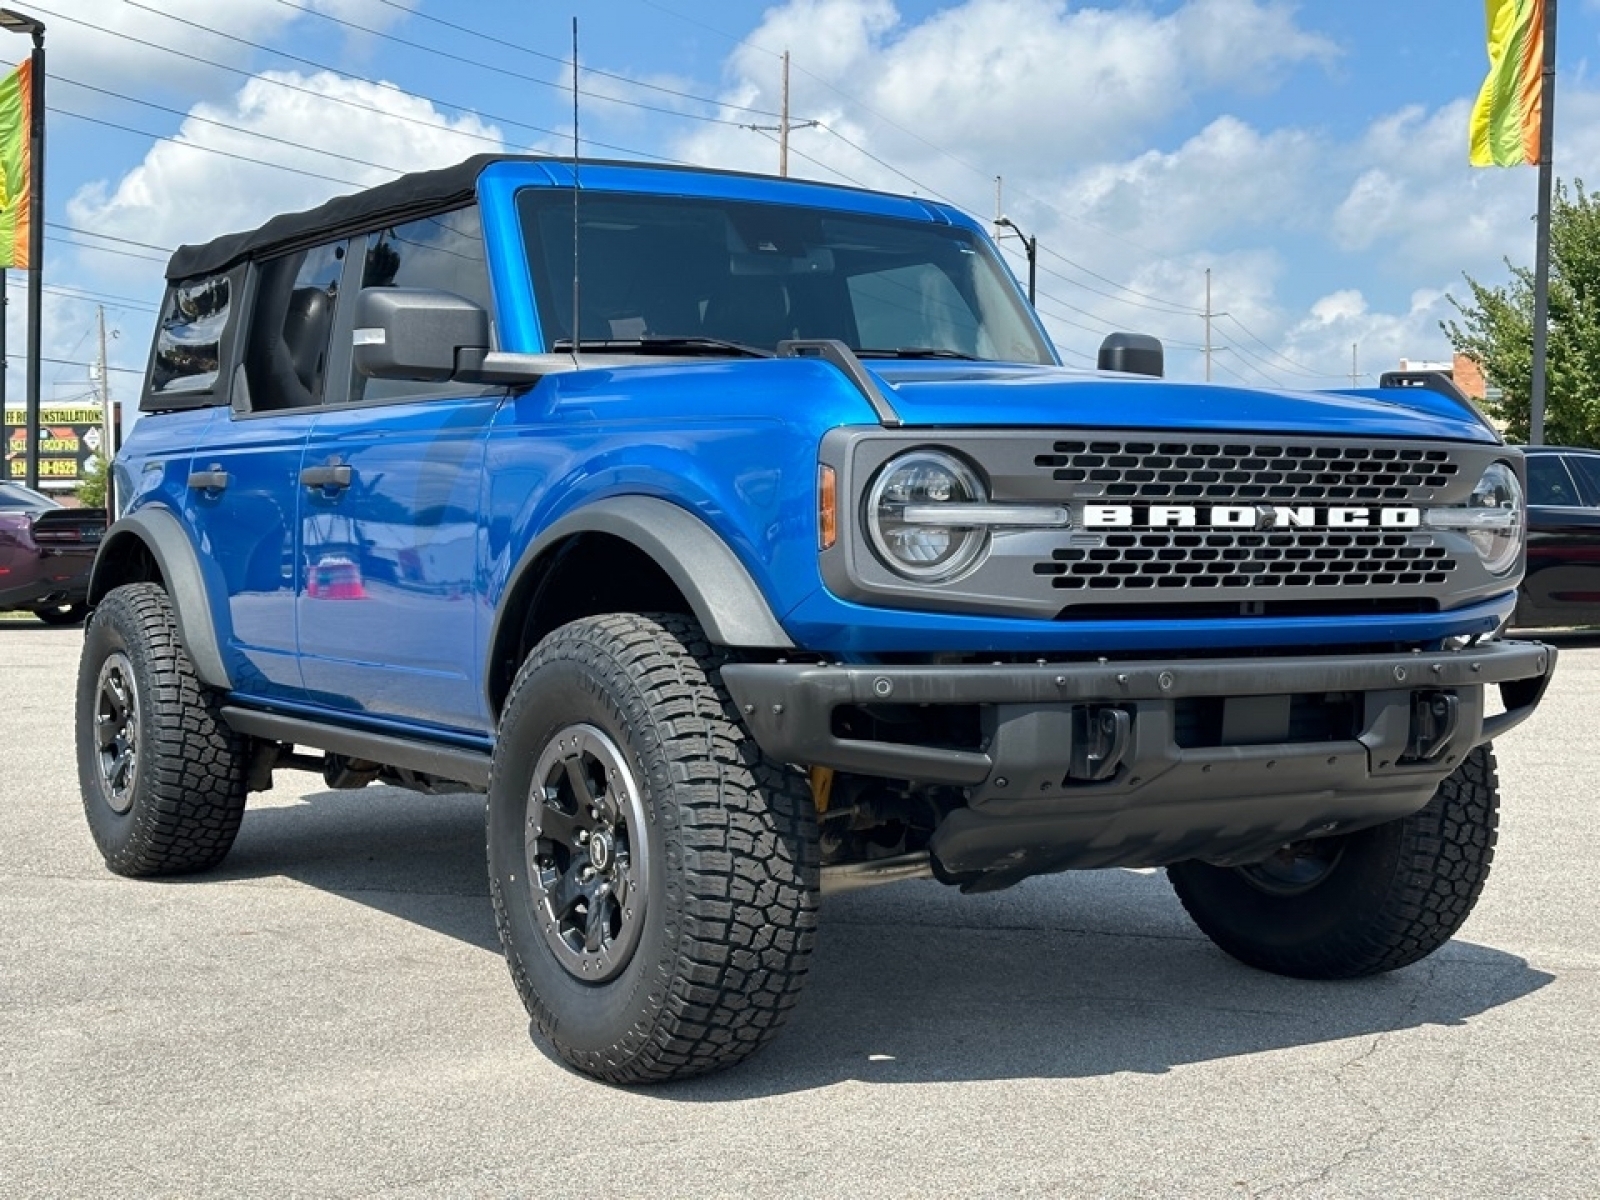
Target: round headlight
(903, 519)
(1497, 504)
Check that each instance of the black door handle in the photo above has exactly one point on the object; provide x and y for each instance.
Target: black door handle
(213, 480)
(331, 478)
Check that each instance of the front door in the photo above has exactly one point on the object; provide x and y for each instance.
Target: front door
(389, 585)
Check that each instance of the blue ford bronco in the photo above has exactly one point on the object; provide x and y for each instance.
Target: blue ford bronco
(744, 539)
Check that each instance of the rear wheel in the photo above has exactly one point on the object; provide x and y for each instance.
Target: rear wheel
(1371, 901)
(62, 614)
(162, 776)
(655, 880)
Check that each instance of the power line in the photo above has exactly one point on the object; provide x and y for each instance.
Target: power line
(934, 192)
(72, 362)
(190, 116)
(293, 87)
(472, 62)
(62, 241)
(161, 137)
(815, 161)
(528, 50)
(108, 237)
(83, 294)
(1309, 371)
(321, 66)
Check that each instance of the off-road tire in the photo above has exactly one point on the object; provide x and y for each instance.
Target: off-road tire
(1394, 894)
(62, 614)
(731, 842)
(184, 794)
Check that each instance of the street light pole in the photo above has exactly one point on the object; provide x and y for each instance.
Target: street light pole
(16, 22)
(1031, 246)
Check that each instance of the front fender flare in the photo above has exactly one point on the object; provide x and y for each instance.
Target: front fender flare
(721, 593)
(163, 535)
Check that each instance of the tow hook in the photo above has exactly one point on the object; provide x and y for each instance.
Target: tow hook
(1099, 743)
(1435, 716)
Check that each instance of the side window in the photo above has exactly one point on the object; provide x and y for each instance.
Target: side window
(1587, 468)
(291, 330)
(1549, 483)
(443, 252)
(189, 343)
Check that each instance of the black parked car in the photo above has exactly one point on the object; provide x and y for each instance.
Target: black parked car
(1562, 586)
(46, 550)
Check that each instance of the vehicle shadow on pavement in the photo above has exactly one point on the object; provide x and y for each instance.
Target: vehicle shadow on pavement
(1563, 639)
(1078, 975)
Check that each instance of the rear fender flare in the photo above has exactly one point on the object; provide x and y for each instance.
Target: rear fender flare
(163, 535)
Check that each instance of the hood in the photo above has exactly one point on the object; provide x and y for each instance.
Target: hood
(936, 393)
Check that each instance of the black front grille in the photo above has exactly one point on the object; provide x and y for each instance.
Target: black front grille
(1288, 558)
(1227, 472)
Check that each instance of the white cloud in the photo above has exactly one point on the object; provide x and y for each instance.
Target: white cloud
(154, 45)
(1020, 84)
(217, 177)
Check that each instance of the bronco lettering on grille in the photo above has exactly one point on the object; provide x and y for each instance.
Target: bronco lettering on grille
(1247, 516)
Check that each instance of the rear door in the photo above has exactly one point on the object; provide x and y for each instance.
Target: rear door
(244, 486)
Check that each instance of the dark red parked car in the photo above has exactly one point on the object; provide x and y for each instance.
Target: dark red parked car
(46, 550)
(1562, 586)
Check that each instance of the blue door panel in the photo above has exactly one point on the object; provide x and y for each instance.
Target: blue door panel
(248, 531)
(390, 563)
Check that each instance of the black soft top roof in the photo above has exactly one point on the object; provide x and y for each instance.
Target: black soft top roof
(419, 193)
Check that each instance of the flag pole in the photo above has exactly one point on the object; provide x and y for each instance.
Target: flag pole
(1541, 254)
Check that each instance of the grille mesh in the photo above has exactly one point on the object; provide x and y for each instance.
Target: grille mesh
(1222, 472)
(1285, 473)
(1249, 559)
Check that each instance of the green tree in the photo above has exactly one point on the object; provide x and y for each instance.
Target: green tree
(1496, 329)
(92, 483)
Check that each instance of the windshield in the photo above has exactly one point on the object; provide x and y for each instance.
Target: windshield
(669, 267)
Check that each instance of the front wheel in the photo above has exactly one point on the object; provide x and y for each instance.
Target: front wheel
(1360, 904)
(654, 879)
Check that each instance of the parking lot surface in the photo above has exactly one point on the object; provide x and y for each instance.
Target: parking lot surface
(328, 1015)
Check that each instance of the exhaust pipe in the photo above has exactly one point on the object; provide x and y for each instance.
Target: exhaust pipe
(851, 877)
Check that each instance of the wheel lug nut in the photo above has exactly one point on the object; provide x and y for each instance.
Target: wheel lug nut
(583, 836)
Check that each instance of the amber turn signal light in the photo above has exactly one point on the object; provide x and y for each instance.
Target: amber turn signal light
(827, 508)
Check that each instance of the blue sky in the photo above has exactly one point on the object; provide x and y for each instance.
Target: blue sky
(1312, 155)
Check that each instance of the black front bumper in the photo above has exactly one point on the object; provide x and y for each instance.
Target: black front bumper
(1038, 798)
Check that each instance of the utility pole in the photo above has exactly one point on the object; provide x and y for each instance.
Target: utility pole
(1208, 324)
(784, 125)
(108, 415)
(1355, 365)
(1541, 254)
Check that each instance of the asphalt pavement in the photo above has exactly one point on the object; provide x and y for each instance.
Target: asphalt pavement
(328, 1015)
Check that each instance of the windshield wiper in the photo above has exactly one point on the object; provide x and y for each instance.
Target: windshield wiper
(917, 352)
(652, 343)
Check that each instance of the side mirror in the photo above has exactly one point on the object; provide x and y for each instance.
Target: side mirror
(1133, 353)
(418, 333)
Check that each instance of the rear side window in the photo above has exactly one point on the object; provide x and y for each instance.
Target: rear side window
(443, 252)
(1549, 483)
(188, 352)
(291, 332)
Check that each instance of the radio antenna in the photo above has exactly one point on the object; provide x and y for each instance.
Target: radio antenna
(576, 332)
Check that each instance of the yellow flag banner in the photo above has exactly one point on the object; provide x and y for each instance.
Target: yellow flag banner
(1506, 119)
(16, 167)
